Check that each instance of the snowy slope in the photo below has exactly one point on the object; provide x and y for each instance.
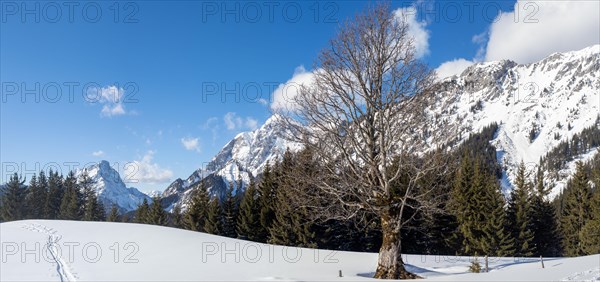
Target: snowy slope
(135, 252)
(557, 97)
(241, 159)
(111, 189)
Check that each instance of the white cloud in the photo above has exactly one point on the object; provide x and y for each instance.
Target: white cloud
(453, 67)
(234, 122)
(114, 110)
(111, 98)
(191, 144)
(416, 29)
(251, 123)
(99, 153)
(283, 96)
(230, 120)
(145, 171)
(212, 124)
(540, 28)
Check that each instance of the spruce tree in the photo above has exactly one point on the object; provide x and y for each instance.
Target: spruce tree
(156, 213)
(214, 219)
(458, 203)
(472, 222)
(497, 240)
(248, 217)
(142, 212)
(590, 233)
(40, 196)
(113, 216)
(520, 215)
(93, 209)
(546, 238)
(70, 207)
(576, 211)
(230, 212)
(596, 170)
(13, 200)
(478, 206)
(177, 217)
(197, 211)
(290, 226)
(54, 195)
(30, 199)
(266, 197)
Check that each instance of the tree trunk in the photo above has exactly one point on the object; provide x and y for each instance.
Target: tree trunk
(390, 264)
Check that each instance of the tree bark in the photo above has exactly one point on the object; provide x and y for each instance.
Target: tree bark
(390, 264)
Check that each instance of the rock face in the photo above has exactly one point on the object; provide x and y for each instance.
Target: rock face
(112, 190)
(536, 106)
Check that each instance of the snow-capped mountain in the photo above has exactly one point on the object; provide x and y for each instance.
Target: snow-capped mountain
(241, 159)
(536, 106)
(111, 189)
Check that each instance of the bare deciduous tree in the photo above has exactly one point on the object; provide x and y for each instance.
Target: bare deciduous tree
(365, 99)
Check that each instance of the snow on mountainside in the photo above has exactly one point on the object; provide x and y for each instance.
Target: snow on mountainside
(111, 189)
(242, 158)
(536, 106)
(550, 100)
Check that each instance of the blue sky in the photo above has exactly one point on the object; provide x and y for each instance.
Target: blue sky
(161, 60)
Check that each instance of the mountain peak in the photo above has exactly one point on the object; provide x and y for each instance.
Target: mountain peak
(274, 119)
(111, 189)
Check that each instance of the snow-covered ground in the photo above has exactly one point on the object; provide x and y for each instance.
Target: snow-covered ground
(40, 250)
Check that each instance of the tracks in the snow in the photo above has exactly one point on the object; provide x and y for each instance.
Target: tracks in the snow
(52, 246)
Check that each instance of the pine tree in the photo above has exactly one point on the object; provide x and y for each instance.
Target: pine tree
(520, 214)
(54, 195)
(196, 213)
(472, 222)
(230, 212)
(498, 241)
(266, 197)
(590, 233)
(30, 199)
(142, 212)
(478, 206)
(13, 200)
(177, 217)
(546, 238)
(442, 224)
(214, 219)
(113, 216)
(93, 209)
(248, 218)
(70, 207)
(290, 226)
(575, 211)
(156, 213)
(596, 170)
(40, 196)
(459, 203)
